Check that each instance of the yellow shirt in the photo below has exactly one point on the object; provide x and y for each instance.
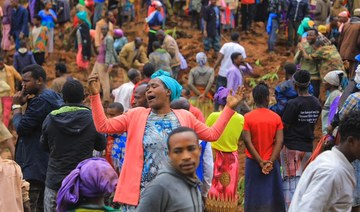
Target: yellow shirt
(228, 141)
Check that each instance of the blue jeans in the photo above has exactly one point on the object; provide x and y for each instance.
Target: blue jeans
(212, 43)
(97, 12)
(272, 36)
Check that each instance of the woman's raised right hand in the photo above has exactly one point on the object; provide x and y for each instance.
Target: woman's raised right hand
(94, 84)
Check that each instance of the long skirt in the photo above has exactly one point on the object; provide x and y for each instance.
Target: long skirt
(5, 41)
(293, 163)
(263, 192)
(80, 62)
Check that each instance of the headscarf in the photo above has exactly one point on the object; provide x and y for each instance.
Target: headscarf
(333, 77)
(82, 15)
(169, 82)
(344, 14)
(305, 25)
(156, 4)
(221, 95)
(92, 177)
(357, 12)
(201, 59)
(118, 33)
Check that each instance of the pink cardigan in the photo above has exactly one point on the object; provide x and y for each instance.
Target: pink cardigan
(133, 122)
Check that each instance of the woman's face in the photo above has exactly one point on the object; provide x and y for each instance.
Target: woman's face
(157, 94)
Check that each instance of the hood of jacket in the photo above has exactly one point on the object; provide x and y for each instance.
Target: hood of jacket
(53, 98)
(71, 119)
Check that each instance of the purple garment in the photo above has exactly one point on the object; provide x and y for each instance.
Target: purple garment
(102, 51)
(333, 110)
(6, 13)
(235, 76)
(92, 177)
(221, 95)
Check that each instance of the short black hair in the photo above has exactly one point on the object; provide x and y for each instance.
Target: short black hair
(303, 77)
(36, 71)
(350, 126)
(290, 68)
(180, 130)
(148, 69)
(37, 17)
(180, 103)
(118, 106)
(235, 36)
(132, 74)
(156, 45)
(261, 93)
(315, 30)
(187, 91)
(234, 56)
(73, 91)
(61, 67)
(22, 44)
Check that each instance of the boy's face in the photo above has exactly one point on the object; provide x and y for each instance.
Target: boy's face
(184, 153)
(113, 112)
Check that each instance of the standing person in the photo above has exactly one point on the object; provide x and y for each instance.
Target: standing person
(179, 175)
(343, 18)
(330, 177)
(83, 41)
(155, 21)
(29, 155)
(297, 10)
(170, 45)
(263, 136)
(119, 40)
(321, 12)
(151, 126)
(247, 12)
(212, 27)
(226, 160)
(6, 27)
(105, 21)
(86, 186)
(19, 28)
(123, 93)
(104, 62)
(98, 12)
(63, 13)
(332, 85)
(308, 64)
(133, 55)
(62, 76)
(148, 70)
(337, 8)
(299, 118)
(160, 58)
(276, 7)
(224, 57)
(349, 42)
(39, 40)
(23, 57)
(201, 79)
(49, 19)
(69, 135)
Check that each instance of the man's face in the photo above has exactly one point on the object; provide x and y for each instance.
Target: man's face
(184, 153)
(238, 60)
(355, 147)
(138, 43)
(156, 94)
(13, 3)
(48, 5)
(110, 16)
(139, 96)
(35, 21)
(311, 36)
(112, 112)
(160, 37)
(29, 84)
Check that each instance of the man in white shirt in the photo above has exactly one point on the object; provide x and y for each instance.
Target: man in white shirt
(224, 57)
(123, 93)
(328, 183)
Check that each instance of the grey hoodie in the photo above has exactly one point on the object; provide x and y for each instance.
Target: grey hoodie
(171, 191)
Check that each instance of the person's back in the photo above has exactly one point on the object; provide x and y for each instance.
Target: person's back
(21, 60)
(331, 59)
(298, 10)
(161, 60)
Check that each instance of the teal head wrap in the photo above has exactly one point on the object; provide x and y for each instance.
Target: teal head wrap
(305, 25)
(83, 16)
(169, 82)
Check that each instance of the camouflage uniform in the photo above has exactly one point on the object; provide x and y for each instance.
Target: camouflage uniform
(307, 64)
(330, 59)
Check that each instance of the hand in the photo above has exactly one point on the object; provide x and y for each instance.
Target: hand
(201, 98)
(233, 100)
(94, 84)
(267, 168)
(21, 35)
(330, 129)
(205, 34)
(19, 98)
(346, 64)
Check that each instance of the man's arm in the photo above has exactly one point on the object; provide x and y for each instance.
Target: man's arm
(44, 139)
(246, 137)
(218, 60)
(25, 22)
(122, 57)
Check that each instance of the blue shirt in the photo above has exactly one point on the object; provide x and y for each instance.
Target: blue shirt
(47, 19)
(19, 21)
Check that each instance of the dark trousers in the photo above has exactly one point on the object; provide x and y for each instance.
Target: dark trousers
(39, 58)
(220, 82)
(152, 38)
(293, 37)
(247, 14)
(316, 86)
(36, 195)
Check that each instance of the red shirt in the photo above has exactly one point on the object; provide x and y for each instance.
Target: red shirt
(262, 124)
(247, 1)
(197, 113)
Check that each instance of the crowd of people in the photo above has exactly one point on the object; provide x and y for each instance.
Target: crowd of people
(153, 144)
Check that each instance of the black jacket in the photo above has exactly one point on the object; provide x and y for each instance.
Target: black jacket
(297, 10)
(70, 136)
(29, 155)
(210, 17)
